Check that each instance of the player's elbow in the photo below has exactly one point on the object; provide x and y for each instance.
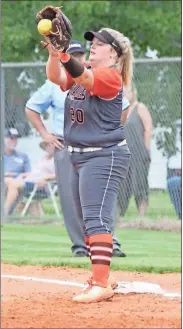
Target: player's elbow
(86, 79)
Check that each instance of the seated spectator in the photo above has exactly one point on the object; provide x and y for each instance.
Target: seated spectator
(174, 182)
(43, 170)
(16, 163)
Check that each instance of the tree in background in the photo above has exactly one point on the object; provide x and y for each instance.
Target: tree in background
(156, 24)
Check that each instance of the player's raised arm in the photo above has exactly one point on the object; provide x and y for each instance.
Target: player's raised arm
(57, 31)
(54, 70)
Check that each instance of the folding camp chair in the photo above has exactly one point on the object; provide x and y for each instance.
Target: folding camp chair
(41, 194)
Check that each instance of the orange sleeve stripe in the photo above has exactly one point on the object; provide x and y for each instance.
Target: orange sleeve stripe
(107, 82)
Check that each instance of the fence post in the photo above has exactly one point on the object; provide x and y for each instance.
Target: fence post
(2, 124)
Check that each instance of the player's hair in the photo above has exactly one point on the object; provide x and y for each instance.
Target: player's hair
(125, 61)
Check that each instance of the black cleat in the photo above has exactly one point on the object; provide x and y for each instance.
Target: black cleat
(80, 253)
(118, 253)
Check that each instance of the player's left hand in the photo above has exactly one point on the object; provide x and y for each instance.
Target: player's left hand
(52, 51)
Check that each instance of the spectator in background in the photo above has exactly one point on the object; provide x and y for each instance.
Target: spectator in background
(174, 180)
(138, 132)
(42, 171)
(16, 164)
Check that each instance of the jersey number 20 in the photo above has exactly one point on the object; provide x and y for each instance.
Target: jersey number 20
(77, 115)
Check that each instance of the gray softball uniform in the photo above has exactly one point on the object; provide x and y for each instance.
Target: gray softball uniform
(48, 96)
(99, 154)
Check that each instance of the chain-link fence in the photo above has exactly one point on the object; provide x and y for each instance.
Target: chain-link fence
(158, 84)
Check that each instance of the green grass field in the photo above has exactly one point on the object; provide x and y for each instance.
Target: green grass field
(147, 251)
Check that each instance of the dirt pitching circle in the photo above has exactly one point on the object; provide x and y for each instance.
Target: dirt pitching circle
(30, 304)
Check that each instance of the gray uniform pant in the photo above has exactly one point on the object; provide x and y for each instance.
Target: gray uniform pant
(73, 223)
(95, 179)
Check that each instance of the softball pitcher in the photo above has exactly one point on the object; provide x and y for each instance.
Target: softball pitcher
(50, 96)
(94, 136)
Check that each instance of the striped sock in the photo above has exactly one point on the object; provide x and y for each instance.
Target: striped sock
(101, 247)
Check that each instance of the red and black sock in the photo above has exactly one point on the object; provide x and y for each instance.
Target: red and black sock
(101, 247)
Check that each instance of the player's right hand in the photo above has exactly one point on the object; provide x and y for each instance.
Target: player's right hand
(52, 51)
(52, 140)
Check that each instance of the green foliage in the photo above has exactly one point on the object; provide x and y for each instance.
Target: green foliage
(156, 24)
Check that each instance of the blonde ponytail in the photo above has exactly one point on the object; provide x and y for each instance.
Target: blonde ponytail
(125, 61)
(127, 67)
